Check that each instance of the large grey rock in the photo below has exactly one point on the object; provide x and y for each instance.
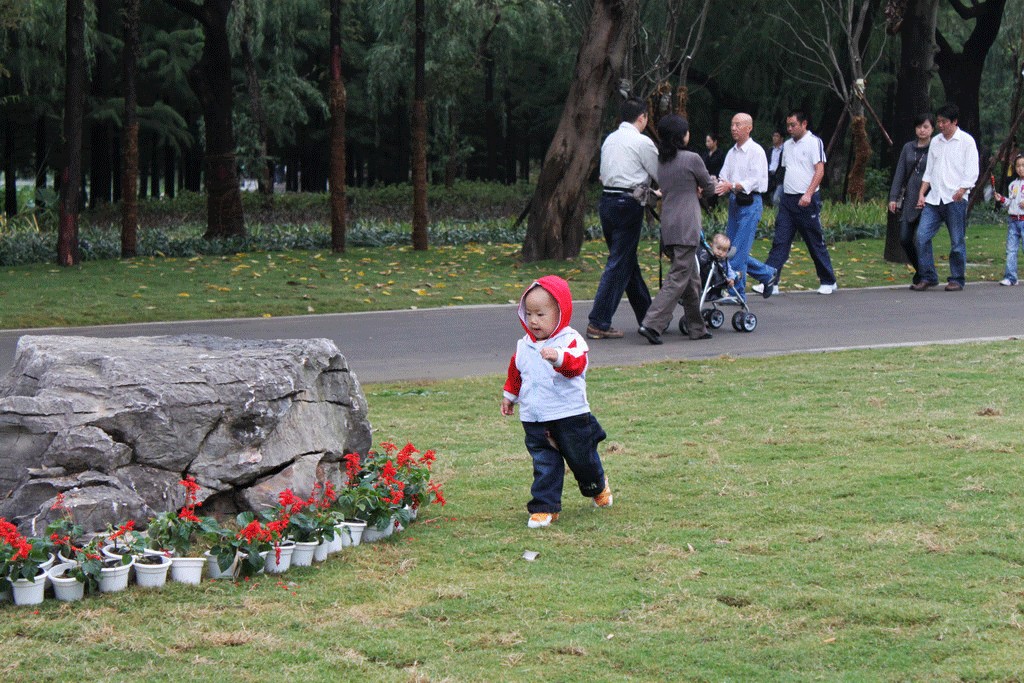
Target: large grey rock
(242, 417)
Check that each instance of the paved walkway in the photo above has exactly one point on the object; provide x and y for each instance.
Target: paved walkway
(469, 341)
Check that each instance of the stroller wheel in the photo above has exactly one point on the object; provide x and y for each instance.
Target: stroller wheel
(714, 318)
(744, 322)
(683, 327)
(737, 321)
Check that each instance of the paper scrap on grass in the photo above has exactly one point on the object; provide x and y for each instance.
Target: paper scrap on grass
(530, 555)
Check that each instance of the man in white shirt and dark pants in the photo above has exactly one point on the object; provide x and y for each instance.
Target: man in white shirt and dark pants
(950, 173)
(803, 158)
(628, 159)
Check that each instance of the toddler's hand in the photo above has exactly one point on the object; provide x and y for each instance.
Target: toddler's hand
(507, 407)
(549, 354)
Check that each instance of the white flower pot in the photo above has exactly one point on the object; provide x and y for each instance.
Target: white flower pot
(187, 569)
(277, 563)
(213, 570)
(65, 588)
(323, 549)
(351, 532)
(152, 575)
(114, 579)
(29, 591)
(302, 555)
(372, 534)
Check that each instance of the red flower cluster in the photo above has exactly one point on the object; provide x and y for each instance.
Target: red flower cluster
(9, 535)
(188, 511)
(323, 495)
(254, 531)
(122, 530)
(353, 466)
(435, 488)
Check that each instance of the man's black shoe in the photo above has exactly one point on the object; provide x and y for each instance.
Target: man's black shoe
(650, 335)
(769, 287)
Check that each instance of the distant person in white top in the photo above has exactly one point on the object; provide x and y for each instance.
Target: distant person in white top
(949, 175)
(803, 158)
(628, 159)
(744, 177)
(1014, 203)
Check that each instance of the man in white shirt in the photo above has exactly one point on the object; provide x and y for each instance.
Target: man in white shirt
(803, 158)
(949, 174)
(628, 159)
(744, 177)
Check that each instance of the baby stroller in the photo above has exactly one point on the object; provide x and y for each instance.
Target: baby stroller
(714, 279)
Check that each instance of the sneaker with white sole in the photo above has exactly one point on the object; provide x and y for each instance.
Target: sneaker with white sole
(604, 499)
(1005, 282)
(539, 520)
(759, 288)
(827, 289)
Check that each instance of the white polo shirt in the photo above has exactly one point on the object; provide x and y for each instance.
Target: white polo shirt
(799, 157)
(747, 165)
(952, 164)
(628, 158)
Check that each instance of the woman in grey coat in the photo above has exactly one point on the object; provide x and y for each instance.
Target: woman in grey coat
(684, 174)
(906, 182)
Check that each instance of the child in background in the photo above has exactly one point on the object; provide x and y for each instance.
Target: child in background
(547, 378)
(1014, 203)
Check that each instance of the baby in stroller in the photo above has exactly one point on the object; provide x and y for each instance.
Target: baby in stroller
(717, 287)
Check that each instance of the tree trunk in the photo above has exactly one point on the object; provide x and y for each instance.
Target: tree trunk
(861, 156)
(169, 171)
(264, 182)
(74, 105)
(211, 79)
(130, 144)
(555, 227)
(338, 102)
(154, 167)
(960, 73)
(100, 134)
(420, 240)
(917, 63)
(10, 172)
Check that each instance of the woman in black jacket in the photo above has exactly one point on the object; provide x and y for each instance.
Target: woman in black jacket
(906, 182)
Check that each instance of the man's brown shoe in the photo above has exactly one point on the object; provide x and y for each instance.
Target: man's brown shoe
(921, 286)
(597, 333)
(954, 287)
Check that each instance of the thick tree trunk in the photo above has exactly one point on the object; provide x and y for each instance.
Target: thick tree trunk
(555, 227)
(420, 240)
(917, 63)
(960, 73)
(101, 163)
(130, 144)
(338, 102)
(74, 105)
(211, 79)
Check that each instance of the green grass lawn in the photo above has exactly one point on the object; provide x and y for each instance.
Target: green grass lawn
(363, 279)
(847, 516)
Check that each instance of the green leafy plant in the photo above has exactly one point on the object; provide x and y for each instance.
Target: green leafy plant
(177, 532)
(62, 531)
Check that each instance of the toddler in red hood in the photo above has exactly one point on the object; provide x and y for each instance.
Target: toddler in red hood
(547, 378)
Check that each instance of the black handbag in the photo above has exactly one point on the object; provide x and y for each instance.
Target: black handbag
(744, 198)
